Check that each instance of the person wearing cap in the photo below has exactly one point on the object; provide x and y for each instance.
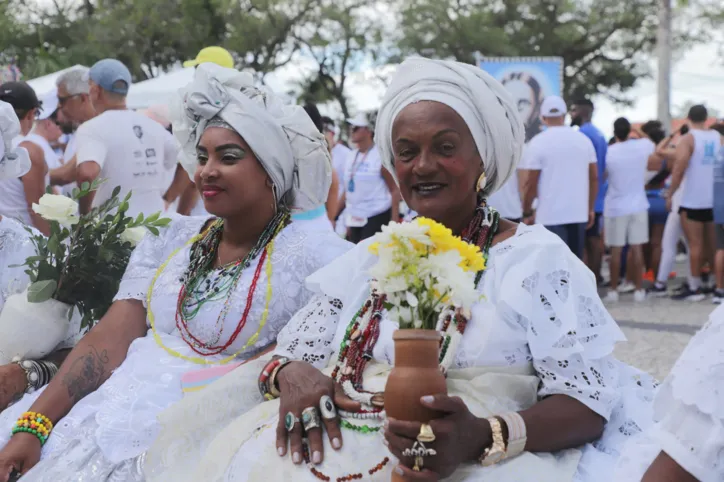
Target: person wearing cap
(625, 211)
(371, 198)
(559, 167)
(17, 195)
(214, 55)
(126, 148)
(45, 133)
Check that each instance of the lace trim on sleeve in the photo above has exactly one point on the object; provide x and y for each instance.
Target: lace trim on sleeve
(309, 334)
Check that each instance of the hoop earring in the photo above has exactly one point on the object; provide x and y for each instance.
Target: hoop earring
(482, 180)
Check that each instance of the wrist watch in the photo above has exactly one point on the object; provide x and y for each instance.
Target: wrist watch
(496, 452)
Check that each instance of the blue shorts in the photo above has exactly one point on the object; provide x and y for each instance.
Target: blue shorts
(657, 207)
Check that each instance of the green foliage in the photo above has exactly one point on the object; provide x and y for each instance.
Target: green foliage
(82, 264)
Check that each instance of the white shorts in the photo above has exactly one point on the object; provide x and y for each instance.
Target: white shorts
(631, 229)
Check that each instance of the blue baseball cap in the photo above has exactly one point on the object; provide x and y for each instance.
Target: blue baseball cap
(107, 72)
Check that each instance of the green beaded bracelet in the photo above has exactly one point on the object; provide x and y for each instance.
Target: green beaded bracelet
(359, 428)
(31, 431)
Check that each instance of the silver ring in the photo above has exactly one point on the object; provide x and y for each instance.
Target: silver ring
(326, 406)
(290, 421)
(310, 418)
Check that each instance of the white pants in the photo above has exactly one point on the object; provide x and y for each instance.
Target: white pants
(669, 241)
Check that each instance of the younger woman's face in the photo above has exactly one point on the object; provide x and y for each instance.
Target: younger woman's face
(436, 161)
(229, 177)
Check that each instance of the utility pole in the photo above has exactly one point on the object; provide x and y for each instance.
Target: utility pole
(663, 47)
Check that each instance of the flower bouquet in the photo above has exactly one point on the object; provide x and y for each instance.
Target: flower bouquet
(427, 278)
(79, 266)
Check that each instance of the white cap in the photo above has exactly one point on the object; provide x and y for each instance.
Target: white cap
(553, 106)
(49, 104)
(360, 120)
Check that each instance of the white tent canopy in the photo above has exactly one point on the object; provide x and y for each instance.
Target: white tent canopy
(158, 90)
(45, 84)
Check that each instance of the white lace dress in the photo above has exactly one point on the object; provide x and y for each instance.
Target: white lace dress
(103, 436)
(540, 315)
(688, 411)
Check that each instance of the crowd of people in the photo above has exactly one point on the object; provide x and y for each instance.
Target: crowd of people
(265, 265)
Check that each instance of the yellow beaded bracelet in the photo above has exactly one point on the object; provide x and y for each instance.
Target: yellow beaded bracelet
(35, 424)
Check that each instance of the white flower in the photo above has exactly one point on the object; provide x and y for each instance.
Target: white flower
(57, 208)
(412, 299)
(133, 235)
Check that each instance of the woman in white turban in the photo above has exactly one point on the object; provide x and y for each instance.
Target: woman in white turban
(205, 292)
(532, 381)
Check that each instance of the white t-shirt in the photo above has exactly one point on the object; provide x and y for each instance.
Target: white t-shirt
(134, 152)
(366, 191)
(340, 153)
(563, 155)
(698, 186)
(52, 159)
(506, 200)
(626, 170)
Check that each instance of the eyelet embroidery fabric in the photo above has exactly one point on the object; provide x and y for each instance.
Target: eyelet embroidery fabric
(688, 411)
(122, 413)
(540, 305)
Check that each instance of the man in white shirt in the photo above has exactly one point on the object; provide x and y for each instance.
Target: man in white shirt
(559, 168)
(340, 152)
(693, 170)
(625, 210)
(371, 198)
(126, 148)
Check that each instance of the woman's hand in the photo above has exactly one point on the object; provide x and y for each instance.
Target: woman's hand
(13, 383)
(302, 386)
(460, 437)
(21, 453)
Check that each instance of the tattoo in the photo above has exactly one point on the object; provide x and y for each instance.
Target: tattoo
(86, 374)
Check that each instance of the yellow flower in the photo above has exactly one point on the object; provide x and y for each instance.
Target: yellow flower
(375, 248)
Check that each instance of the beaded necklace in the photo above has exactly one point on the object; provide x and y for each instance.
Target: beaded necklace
(363, 331)
(195, 264)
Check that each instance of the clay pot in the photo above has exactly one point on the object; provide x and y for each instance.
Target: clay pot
(416, 373)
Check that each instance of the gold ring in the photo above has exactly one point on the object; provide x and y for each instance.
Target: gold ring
(426, 434)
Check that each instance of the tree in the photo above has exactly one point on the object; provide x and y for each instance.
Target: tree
(603, 43)
(342, 37)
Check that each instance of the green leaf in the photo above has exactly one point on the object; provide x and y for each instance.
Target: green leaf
(116, 191)
(75, 193)
(123, 207)
(153, 217)
(163, 222)
(85, 186)
(153, 230)
(139, 219)
(42, 291)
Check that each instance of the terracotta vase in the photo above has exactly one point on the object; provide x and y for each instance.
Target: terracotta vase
(416, 373)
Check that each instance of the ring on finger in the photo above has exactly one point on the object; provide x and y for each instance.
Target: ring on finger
(290, 421)
(310, 418)
(426, 434)
(326, 406)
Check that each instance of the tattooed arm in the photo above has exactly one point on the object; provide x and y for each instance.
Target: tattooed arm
(93, 359)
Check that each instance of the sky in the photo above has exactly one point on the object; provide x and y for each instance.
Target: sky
(697, 76)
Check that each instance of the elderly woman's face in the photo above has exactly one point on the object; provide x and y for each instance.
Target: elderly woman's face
(436, 161)
(229, 177)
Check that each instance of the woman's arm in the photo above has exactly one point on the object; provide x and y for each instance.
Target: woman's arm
(560, 422)
(93, 359)
(665, 469)
(333, 198)
(34, 184)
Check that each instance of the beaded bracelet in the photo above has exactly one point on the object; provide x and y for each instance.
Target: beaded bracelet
(36, 424)
(267, 378)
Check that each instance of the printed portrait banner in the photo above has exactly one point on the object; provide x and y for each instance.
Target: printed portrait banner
(530, 80)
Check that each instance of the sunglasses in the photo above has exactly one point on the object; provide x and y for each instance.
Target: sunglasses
(63, 100)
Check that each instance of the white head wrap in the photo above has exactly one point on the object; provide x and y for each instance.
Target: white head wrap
(14, 162)
(285, 140)
(483, 103)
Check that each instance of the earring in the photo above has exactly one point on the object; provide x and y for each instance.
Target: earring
(482, 180)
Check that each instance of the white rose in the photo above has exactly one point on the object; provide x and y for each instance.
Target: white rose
(133, 235)
(57, 208)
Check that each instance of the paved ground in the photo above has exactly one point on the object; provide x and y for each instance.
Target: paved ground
(657, 329)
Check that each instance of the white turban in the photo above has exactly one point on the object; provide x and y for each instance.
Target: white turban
(283, 138)
(14, 162)
(483, 103)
